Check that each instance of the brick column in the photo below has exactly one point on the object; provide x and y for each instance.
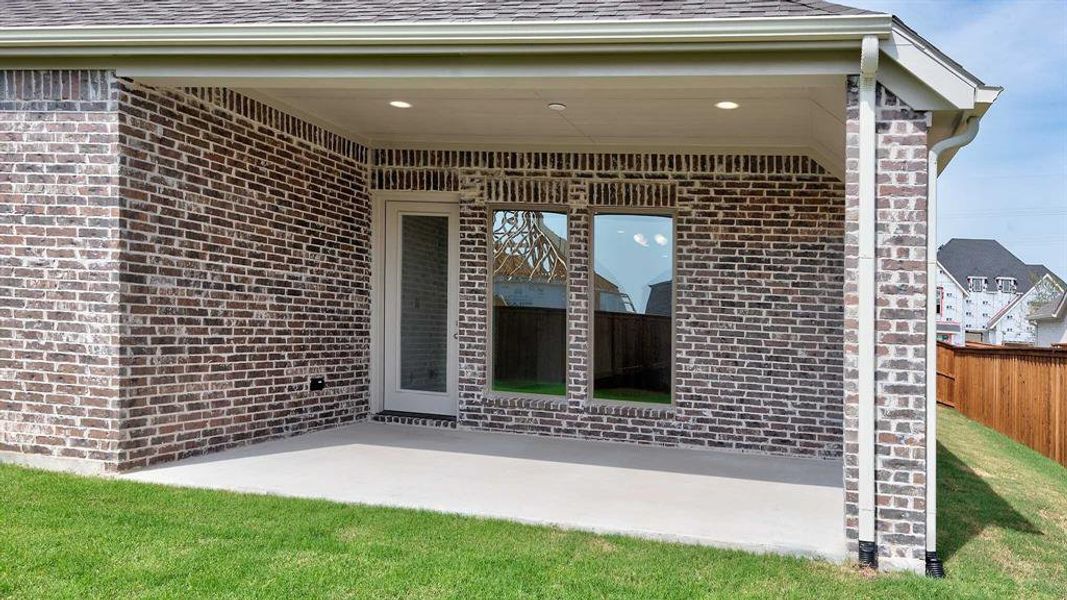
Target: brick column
(59, 251)
(579, 298)
(899, 330)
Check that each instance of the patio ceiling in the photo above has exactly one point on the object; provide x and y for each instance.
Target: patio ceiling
(769, 116)
(787, 114)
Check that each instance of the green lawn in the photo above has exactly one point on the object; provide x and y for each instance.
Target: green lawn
(1003, 534)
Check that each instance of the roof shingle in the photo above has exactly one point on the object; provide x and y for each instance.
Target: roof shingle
(46, 13)
(965, 258)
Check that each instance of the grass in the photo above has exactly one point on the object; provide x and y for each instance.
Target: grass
(560, 389)
(1003, 533)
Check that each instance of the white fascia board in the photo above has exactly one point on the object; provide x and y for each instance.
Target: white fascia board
(463, 72)
(840, 27)
(962, 90)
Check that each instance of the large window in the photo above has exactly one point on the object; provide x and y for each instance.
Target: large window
(633, 257)
(529, 264)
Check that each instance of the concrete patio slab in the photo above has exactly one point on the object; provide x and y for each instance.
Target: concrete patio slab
(750, 502)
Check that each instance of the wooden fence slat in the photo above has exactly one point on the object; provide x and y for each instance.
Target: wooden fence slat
(1020, 392)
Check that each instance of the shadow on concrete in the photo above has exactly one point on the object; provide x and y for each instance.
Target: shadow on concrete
(967, 505)
(363, 441)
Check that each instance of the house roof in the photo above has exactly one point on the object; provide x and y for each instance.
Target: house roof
(965, 258)
(51, 13)
(1054, 308)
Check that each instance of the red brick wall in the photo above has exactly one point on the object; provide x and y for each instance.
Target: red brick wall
(246, 272)
(900, 323)
(760, 270)
(59, 285)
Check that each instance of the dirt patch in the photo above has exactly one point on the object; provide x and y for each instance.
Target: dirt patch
(601, 545)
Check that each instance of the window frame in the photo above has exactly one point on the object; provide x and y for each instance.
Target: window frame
(1004, 283)
(590, 283)
(971, 281)
(492, 208)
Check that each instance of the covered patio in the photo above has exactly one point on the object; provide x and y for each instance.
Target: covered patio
(682, 233)
(750, 502)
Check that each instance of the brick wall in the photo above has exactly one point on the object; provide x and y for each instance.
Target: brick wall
(246, 272)
(759, 283)
(59, 287)
(900, 326)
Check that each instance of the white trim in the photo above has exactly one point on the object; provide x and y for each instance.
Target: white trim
(377, 314)
(917, 56)
(816, 28)
(866, 268)
(409, 202)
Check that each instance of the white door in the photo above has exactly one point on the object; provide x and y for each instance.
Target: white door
(421, 307)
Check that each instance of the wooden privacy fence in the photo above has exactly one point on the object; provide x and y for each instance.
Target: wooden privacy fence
(632, 350)
(1020, 392)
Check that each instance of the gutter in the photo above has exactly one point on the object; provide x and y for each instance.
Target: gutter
(934, 566)
(148, 39)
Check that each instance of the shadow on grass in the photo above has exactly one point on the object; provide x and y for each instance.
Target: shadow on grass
(967, 505)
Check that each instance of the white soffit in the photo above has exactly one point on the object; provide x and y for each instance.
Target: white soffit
(791, 118)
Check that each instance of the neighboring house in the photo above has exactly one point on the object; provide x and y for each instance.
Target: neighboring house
(987, 294)
(1050, 320)
(229, 221)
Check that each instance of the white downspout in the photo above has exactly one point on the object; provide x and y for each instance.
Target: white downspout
(934, 568)
(868, 212)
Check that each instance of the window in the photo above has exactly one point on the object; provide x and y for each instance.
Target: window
(976, 284)
(529, 291)
(940, 300)
(1007, 285)
(633, 290)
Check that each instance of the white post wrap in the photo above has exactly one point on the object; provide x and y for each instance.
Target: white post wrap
(868, 211)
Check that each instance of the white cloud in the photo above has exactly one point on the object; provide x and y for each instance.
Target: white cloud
(661, 239)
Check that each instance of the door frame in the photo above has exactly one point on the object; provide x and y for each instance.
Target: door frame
(380, 201)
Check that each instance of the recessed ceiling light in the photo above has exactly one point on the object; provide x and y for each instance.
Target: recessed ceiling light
(400, 104)
(557, 106)
(726, 105)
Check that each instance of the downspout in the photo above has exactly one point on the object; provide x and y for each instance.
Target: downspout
(868, 549)
(934, 567)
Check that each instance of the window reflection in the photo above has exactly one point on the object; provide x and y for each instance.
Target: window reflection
(632, 322)
(529, 302)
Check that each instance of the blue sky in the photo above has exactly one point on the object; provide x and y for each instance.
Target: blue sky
(1011, 183)
(633, 252)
